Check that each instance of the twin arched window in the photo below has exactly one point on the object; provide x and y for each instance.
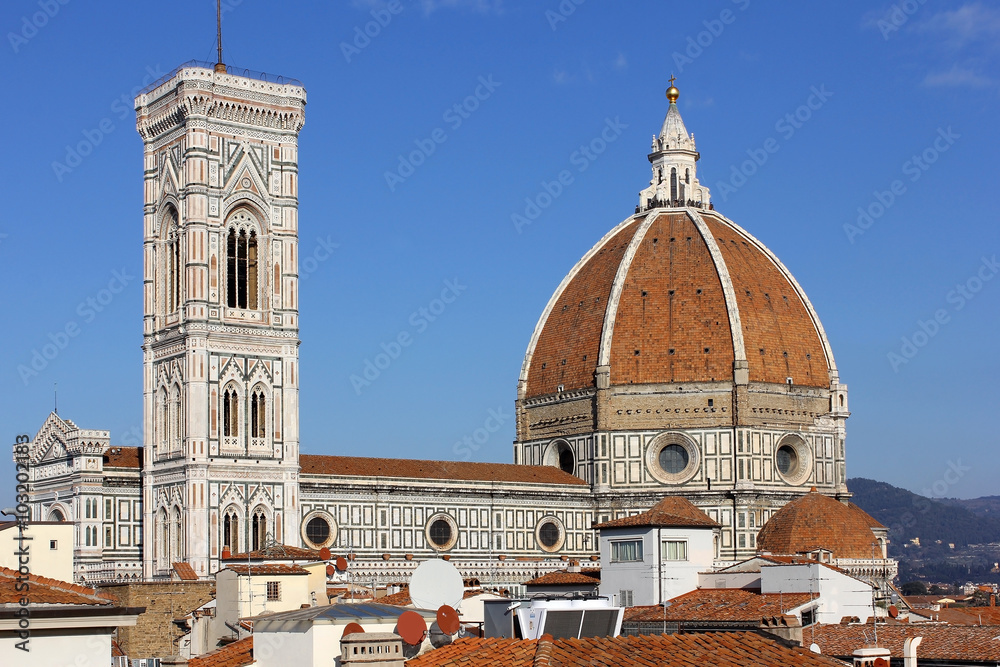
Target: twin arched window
(231, 413)
(242, 265)
(231, 530)
(258, 414)
(173, 266)
(170, 420)
(258, 529)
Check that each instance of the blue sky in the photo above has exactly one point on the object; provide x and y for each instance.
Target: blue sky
(912, 80)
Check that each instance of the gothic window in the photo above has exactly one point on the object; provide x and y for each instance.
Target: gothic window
(231, 531)
(687, 176)
(161, 420)
(172, 259)
(242, 269)
(258, 529)
(177, 546)
(673, 183)
(230, 413)
(163, 538)
(258, 414)
(175, 420)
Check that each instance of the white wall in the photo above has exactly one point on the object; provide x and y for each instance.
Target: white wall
(234, 601)
(654, 580)
(43, 560)
(839, 594)
(86, 647)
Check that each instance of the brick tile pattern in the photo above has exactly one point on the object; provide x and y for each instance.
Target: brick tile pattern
(671, 512)
(815, 521)
(772, 313)
(701, 650)
(568, 346)
(671, 310)
(43, 590)
(719, 604)
(237, 654)
(313, 464)
(945, 643)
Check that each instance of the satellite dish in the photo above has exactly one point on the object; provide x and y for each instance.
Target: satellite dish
(436, 583)
(881, 662)
(893, 611)
(341, 564)
(330, 570)
(324, 554)
(352, 628)
(411, 627)
(447, 619)
(814, 648)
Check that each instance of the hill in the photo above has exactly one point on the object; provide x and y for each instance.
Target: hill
(908, 515)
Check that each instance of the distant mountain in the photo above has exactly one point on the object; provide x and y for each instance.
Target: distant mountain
(908, 515)
(985, 506)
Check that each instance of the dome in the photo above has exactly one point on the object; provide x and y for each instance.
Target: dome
(677, 295)
(816, 521)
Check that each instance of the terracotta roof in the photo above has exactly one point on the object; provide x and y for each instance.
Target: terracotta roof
(671, 512)
(123, 457)
(43, 590)
(185, 572)
(941, 642)
(672, 318)
(866, 517)
(701, 650)
(815, 521)
(265, 568)
(720, 604)
(355, 466)
(237, 654)
(279, 552)
(969, 615)
(562, 578)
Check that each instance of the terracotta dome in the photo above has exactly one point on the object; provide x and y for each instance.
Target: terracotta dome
(677, 296)
(815, 521)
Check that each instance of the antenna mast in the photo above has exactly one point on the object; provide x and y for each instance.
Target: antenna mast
(219, 66)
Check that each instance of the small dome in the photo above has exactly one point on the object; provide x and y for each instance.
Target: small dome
(815, 521)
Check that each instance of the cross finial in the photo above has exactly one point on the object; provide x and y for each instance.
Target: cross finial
(672, 92)
(672, 79)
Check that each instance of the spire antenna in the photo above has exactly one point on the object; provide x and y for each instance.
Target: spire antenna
(219, 66)
(55, 397)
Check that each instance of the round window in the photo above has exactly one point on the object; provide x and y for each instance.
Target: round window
(673, 459)
(549, 534)
(793, 460)
(318, 530)
(441, 532)
(786, 459)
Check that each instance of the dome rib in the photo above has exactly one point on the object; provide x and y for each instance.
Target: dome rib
(557, 295)
(732, 307)
(608, 329)
(831, 364)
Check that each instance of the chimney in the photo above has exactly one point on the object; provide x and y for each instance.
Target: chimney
(786, 626)
(871, 656)
(372, 649)
(910, 645)
(993, 599)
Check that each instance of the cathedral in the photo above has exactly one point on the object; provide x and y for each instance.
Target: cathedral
(679, 356)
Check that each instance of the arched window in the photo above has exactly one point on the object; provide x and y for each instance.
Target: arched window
(673, 184)
(258, 414)
(230, 413)
(162, 530)
(258, 529)
(176, 419)
(177, 546)
(231, 531)
(172, 291)
(687, 176)
(241, 268)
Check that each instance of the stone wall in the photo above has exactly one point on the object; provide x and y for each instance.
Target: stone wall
(155, 635)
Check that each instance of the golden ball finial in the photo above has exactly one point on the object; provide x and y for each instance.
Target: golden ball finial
(672, 92)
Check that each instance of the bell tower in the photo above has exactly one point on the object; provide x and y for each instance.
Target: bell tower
(220, 314)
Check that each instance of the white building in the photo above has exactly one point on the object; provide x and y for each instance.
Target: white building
(45, 546)
(656, 555)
